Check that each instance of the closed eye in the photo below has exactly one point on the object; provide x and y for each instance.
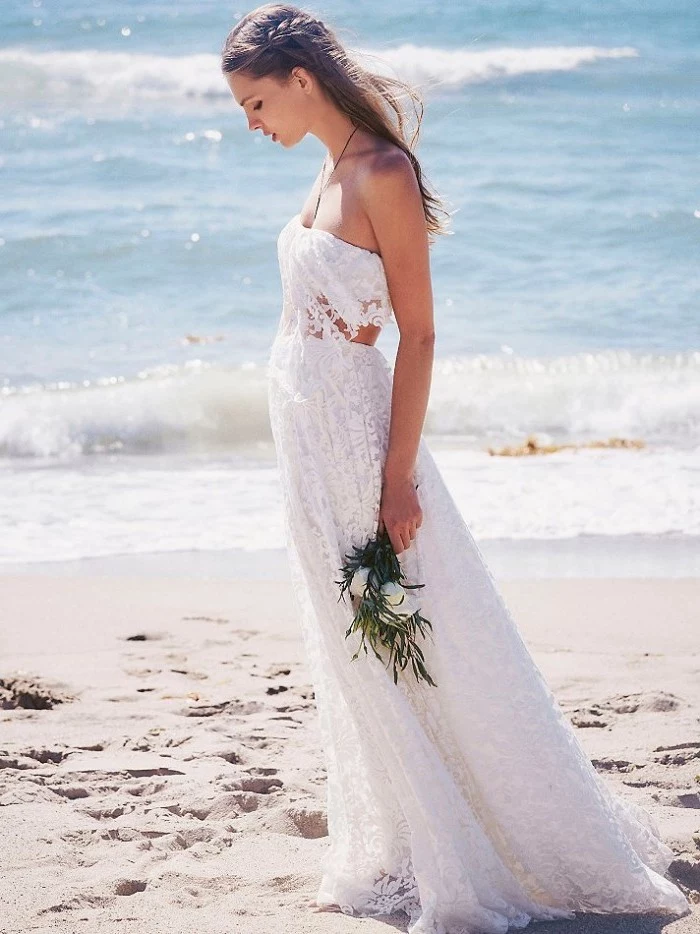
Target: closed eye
(258, 106)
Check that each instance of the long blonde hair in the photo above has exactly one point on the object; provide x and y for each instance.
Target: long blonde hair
(276, 37)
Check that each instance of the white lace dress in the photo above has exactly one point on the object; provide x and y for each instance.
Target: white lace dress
(471, 806)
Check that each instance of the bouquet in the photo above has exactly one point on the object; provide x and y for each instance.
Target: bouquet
(385, 612)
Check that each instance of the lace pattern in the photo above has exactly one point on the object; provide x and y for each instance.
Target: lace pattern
(330, 305)
(471, 806)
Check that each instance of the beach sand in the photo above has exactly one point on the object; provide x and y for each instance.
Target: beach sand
(177, 782)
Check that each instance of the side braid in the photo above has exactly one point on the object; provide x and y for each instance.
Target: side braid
(290, 27)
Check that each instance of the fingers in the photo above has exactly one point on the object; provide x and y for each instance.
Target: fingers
(401, 535)
(396, 539)
(402, 539)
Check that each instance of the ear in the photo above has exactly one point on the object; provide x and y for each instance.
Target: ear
(303, 78)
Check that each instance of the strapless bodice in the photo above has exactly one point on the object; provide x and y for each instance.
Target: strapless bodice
(331, 288)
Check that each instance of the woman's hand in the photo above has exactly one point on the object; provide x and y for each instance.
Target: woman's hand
(399, 512)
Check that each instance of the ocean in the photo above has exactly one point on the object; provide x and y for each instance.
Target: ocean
(140, 289)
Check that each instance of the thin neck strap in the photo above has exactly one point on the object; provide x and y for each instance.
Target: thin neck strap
(322, 187)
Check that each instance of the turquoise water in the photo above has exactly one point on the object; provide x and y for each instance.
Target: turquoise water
(140, 289)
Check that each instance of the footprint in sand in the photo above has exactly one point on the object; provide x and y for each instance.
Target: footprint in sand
(686, 871)
(602, 714)
(31, 758)
(307, 820)
(245, 634)
(220, 807)
(129, 887)
(77, 902)
(615, 765)
(241, 708)
(322, 907)
(30, 694)
(197, 675)
(679, 754)
(259, 784)
(142, 672)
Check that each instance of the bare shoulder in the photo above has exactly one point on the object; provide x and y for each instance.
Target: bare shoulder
(391, 198)
(387, 173)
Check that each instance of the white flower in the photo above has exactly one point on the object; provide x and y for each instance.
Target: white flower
(400, 601)
(358, 583)
(393, 592)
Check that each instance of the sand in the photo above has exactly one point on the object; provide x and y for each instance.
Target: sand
(174, 781)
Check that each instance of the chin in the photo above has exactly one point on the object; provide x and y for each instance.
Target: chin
(289, 144)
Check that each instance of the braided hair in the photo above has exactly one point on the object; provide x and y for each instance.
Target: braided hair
(276, 37)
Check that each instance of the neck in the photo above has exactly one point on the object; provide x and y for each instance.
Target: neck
(333, 128)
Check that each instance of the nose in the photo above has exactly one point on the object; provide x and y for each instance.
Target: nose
(254, 124)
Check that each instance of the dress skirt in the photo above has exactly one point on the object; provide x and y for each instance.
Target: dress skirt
(471, 805)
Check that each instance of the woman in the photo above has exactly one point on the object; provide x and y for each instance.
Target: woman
(470, 805)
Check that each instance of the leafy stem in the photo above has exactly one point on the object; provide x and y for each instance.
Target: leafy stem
(382, 628)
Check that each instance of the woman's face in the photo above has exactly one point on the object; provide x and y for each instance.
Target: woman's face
(278, 107)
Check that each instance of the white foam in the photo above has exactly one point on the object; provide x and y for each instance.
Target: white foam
(478, 401)
(122, 506)
(205, 430)
(434, 66)
(99, 74)
(583, 396)
(173, 409)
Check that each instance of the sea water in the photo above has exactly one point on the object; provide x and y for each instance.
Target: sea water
(140, 290)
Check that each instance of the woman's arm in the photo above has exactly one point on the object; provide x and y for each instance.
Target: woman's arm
(393, 203)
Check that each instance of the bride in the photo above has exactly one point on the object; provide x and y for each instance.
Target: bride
(471, 805)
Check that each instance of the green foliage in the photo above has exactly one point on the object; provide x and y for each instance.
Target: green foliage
(381, 627)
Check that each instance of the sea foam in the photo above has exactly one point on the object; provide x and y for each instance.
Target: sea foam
(28, 74)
